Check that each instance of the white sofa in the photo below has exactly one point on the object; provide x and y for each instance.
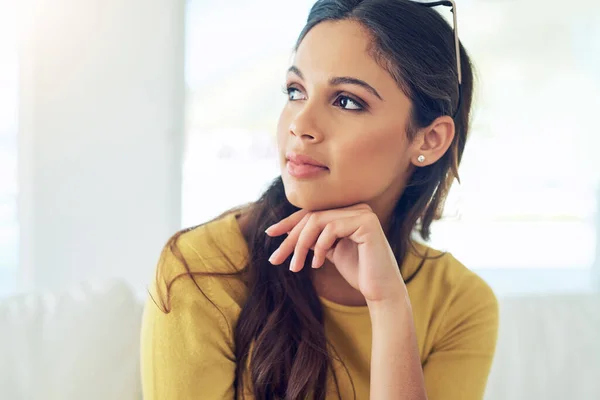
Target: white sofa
(83, 344)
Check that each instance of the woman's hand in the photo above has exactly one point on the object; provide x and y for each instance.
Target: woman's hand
(352, 239)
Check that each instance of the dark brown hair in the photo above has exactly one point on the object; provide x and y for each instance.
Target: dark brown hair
(282, 318)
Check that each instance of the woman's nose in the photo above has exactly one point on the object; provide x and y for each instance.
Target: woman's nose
(305, 127)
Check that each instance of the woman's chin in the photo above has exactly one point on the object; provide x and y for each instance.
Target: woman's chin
(311, 200)
(306, 203)
(313, 196)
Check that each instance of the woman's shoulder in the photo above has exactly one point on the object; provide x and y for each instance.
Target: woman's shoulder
(207, 258)
(448, 278)
(210, 247)
(453, 305)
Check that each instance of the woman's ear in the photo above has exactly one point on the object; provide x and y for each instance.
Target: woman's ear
(432, 142)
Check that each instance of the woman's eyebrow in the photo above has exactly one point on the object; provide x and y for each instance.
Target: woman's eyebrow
(341, 80)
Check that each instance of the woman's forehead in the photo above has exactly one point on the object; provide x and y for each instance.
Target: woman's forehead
(339, 45)
(343, 48)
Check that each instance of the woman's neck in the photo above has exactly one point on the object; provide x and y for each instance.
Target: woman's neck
(330, 284)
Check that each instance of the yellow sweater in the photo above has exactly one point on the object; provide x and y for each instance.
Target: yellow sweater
(189, 354)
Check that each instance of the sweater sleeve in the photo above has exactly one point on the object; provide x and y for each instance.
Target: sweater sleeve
(460, 361)
(186, 352)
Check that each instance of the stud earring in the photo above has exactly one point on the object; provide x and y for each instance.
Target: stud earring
(421, 158)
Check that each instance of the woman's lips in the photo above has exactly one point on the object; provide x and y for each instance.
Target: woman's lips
(302, 166)
(298, 158)
(304, 170)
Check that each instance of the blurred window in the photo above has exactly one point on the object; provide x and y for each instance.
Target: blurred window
(8, 148)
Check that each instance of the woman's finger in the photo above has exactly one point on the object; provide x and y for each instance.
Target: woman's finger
(312, 226)
(334, 231)
(287, 246)
(308, 237)
(286, 224)
(294, 225)
(321, 234)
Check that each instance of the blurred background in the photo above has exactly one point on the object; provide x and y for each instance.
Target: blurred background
(124, 121)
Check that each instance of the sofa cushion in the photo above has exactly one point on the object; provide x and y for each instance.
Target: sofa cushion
(82, 343)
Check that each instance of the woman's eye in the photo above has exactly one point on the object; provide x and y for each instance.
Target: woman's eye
(344, 102)
(347, 103)
(294, 94)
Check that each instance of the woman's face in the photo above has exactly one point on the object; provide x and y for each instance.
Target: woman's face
(347, 113)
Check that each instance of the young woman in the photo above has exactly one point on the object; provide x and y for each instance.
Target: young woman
(336, 299)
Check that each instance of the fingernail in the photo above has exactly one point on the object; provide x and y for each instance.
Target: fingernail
(292, 262)
(273, 256)
(314, 263)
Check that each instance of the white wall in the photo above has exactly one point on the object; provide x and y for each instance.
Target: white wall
(101, 127)
(596, 268)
